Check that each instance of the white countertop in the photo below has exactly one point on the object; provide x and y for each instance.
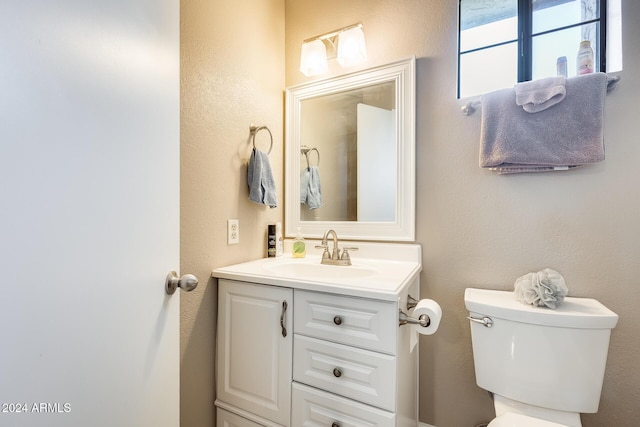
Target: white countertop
(379, 271)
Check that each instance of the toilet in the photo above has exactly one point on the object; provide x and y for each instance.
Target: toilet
(543, 366)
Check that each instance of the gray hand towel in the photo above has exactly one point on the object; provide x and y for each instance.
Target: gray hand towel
(567, 135)
(538, 95)
(262, 186)
(304, 184)
(310, 188)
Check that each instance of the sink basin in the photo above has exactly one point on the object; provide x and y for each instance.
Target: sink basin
(379, 271)
(296, 268)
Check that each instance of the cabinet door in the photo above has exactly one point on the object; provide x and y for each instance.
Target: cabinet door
(254, 354)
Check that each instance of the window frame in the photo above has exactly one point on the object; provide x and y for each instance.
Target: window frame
(526, 37)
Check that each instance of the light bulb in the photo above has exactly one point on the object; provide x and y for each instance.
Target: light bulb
(351, 47)
(313, 58)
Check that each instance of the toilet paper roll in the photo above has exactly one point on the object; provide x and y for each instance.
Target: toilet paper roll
(431, 309)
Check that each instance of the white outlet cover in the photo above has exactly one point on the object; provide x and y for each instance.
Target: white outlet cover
(233, 231)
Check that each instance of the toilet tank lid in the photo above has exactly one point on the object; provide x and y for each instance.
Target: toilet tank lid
(582, 313)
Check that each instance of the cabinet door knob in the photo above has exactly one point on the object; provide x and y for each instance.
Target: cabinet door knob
(337, 320)
(337, 372)
(334, 424)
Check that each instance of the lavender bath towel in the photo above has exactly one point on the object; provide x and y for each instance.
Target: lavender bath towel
(567, 135)
(538, 95)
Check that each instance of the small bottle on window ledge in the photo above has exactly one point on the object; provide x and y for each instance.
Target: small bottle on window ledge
(585, 58)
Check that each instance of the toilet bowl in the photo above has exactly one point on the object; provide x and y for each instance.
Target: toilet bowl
(543, 366)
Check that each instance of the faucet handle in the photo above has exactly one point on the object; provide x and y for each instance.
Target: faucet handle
(345, 253)
(325, 253)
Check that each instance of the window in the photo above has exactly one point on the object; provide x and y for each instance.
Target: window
(502, 42)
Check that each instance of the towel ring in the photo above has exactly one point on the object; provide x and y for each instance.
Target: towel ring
(306, 150)
(255, 129)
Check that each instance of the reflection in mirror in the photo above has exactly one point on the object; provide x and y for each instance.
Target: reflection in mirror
(355, 132)
(362, 127)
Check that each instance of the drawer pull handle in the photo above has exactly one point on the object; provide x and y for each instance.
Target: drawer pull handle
(337, 372)
(282, 318)
(337, 320)
(334, 424)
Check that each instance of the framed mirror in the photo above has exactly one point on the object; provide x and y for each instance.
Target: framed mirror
(350, 155)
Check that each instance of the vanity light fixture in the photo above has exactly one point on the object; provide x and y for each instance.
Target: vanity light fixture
(313, 58)
(346, 44)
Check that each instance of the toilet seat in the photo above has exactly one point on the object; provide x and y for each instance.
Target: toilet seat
(510, 419)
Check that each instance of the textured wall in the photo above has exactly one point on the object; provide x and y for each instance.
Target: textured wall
(232, 75)
(482, 230)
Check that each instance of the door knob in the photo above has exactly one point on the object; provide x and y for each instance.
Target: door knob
(187, 282)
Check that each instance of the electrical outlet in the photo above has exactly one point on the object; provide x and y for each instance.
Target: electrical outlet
(233, 231)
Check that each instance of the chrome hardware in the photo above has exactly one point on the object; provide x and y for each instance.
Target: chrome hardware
(334, 258)
(337, 372)
(187, 282)
(253, 130)
(325, 253)
(282, 318)
(337, 320)
(404, 318)
(335, 255)
(345, 254)
(486, 321)
(306, 150)
(411, 302)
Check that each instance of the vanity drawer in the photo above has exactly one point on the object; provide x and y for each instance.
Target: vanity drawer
(360, 322)
(316, 408)
(229, 419)
(362, 375)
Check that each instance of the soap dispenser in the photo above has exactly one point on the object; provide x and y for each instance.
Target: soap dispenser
(299, 246)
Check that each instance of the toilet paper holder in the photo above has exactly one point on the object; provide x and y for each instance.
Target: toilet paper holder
(411, 302)
(403, 318)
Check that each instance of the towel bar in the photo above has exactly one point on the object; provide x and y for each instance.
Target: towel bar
(470, 107)
(306, 150)
(253, 129)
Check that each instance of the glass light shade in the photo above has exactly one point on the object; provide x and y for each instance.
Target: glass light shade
(313, 58)
(351, 47)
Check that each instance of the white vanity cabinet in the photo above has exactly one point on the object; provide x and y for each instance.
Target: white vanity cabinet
(316, 353)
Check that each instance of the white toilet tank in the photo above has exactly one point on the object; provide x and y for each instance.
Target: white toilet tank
(539, 356)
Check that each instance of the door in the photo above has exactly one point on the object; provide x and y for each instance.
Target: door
(89, 224)
(377, 164)
(255, 342)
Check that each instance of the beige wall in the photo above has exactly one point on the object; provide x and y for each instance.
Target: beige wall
(479, 229)
(475, 228)
(232, 75)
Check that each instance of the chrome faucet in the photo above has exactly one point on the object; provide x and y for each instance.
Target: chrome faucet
(335, 258)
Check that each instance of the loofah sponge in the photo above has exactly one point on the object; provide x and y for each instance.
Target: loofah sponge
(545, 288)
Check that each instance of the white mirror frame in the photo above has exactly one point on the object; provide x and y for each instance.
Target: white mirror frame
(403, 228)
